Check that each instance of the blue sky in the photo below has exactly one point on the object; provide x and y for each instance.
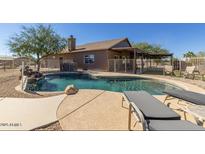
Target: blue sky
(177, 38)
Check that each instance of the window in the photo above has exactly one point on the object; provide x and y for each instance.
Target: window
(89, 59)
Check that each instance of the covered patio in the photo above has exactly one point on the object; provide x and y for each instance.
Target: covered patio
(139, 61)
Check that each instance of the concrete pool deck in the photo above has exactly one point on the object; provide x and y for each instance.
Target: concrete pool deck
(102, 110)
(94, 110)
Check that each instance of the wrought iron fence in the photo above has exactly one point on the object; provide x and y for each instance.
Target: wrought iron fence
(154, 65)
(130, 65)
(114, 65)
(195, 61)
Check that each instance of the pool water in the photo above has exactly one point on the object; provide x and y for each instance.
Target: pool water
(58, 82)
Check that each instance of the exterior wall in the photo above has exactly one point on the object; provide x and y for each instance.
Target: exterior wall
(100, 62)
(53, 60)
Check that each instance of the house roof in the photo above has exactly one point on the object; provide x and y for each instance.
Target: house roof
(94, 46)
(112, 45)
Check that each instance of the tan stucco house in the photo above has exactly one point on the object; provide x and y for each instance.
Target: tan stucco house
(93, 55)
(97, 55)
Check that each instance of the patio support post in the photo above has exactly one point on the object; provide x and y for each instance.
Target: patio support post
(108, 65)
(142, 64)
(22, 74)
(180, 66)
(171, 58)
(114, 65)
(134, 62)
(125, 65)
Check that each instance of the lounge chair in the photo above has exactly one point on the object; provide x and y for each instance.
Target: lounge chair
(201, 69)
(192, 97)
(172, 125)
(189, 72)
(168, 69)
(151, 107)
(195, 103)
(154, 115)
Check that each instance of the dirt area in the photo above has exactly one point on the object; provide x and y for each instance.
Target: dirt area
(9, 79)
(51, 127)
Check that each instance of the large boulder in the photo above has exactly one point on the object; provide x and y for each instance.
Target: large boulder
(70, 90)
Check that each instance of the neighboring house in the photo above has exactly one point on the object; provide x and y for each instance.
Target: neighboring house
(27, 61)
(99, 55)
(13, 62)
(6, 62)
(90, 56)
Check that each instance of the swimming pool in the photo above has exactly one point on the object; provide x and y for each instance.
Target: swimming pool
(58, 82)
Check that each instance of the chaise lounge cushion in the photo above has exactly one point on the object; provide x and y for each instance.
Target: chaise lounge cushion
(151, 107)
(170, 125)
(188, 96)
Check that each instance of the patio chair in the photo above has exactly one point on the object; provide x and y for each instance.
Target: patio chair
(168, 69)
(189, 72)
(201, 69)
(151, 107)
(153, 114)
